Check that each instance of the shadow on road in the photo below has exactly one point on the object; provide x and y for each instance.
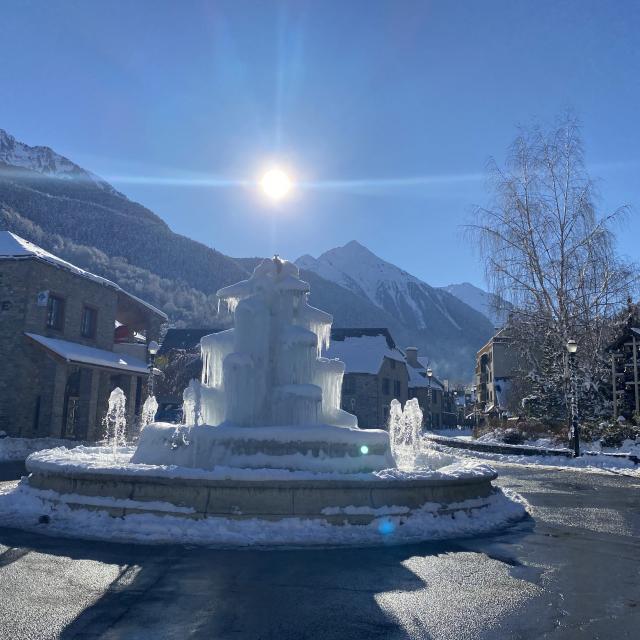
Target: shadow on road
(177, 592)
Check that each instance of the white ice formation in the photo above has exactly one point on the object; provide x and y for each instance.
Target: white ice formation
(267, 397)
(268, 370)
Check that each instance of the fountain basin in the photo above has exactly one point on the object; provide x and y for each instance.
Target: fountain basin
(79, 479)
(319, 447)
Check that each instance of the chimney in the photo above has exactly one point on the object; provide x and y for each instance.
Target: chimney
(412, 357)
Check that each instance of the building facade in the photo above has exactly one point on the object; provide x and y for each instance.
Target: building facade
(496, 365)
(429, 391)
(375, 373)
(67, 339)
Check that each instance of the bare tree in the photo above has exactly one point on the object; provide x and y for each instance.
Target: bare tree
(552, 258)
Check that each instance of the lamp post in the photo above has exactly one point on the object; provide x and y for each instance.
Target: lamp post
(152, 349)
(572, 347)
(429, 374)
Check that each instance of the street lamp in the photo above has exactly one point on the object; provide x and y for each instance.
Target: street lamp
(572, 347)
(429, 374)
(152, 349)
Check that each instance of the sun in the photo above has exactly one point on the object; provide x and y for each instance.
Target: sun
(276, 184)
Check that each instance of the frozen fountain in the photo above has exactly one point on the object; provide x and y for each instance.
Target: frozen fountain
(267, 398)
(266, 454)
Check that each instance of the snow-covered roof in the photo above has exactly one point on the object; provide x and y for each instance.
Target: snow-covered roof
(417, 379)
(80, 353)
(362, 353)
(13, 247)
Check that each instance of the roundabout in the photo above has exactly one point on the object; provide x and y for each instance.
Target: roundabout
(267, 456)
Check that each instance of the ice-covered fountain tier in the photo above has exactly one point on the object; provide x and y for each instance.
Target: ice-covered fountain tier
(267, 397)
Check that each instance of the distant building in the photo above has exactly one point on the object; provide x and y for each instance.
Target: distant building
(625, 366)
(496, 366)
(375, 373)
(67, 339)
(430, 392)
(180, 361)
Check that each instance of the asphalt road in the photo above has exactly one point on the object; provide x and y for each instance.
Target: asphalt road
(572, 571)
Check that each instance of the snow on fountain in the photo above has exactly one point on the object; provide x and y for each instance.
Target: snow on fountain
(267, 397)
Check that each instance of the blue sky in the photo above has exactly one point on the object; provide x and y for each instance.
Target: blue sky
(404, 101)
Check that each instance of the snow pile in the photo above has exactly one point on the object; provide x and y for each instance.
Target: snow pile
(23, 507)
(15, 449)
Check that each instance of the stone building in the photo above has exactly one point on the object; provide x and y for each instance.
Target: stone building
(67, 339)
(496, 365)
(375, 373)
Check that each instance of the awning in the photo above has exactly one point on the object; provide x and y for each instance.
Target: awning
(81, 354)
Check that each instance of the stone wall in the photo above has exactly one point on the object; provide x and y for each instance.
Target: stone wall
(369, 397)
(33, 381)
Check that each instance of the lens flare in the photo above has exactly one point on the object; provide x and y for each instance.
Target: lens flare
(364, 449)
(386, 527)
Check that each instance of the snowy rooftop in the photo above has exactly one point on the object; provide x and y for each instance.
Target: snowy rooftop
(13, 247)
(362, 353)
(418, 379)
(74, 352)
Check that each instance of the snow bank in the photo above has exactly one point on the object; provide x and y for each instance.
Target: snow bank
(593, 463)
(23, 507)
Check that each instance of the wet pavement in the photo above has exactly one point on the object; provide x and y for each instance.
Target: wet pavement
(572, 571)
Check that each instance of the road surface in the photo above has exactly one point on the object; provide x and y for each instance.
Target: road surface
(572, 571)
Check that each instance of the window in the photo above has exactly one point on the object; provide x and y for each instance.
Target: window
(349, 384)
(386, 386)
(396, 388)
(88, 324)
(55, 312)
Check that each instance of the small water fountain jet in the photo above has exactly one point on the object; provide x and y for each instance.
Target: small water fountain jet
(115, 421)
(148, 413)
(405, 432)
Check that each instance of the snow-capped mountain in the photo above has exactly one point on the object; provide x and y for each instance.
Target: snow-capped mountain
(399, 293)
(446, 330)
(45, 161)
(480, 300)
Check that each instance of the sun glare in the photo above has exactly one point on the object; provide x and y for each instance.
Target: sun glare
(276, 184)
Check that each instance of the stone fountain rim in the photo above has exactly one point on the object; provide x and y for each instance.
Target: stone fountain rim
(477, 474)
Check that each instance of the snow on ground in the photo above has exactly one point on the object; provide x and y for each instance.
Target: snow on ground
(458, 432)
(23, 507)
(15, 449)
(592, 463)
(493, 437)
(100, 460)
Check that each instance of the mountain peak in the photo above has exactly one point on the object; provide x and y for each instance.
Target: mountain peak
(45, 161)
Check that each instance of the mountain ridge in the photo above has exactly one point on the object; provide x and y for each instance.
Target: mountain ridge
(55, 205)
